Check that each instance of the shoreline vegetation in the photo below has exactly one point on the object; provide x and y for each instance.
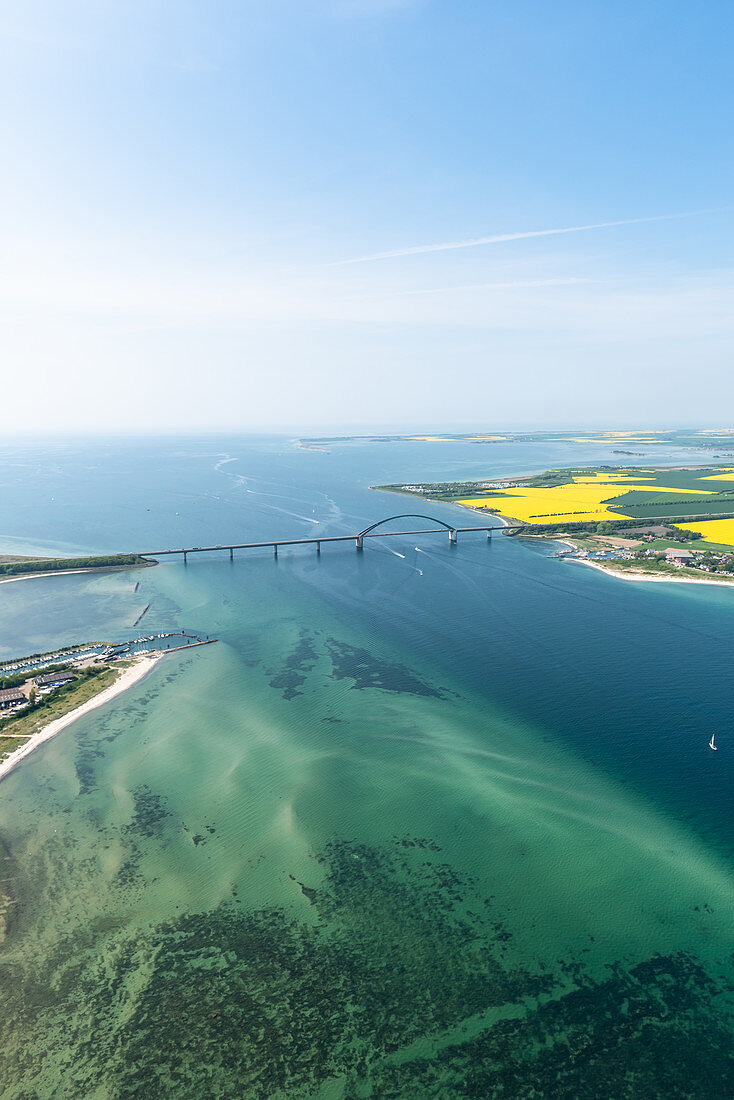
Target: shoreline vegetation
(690, 576)
(43, 693)
(629, 570)
(19, 568)
(656, 524)
(110, 683)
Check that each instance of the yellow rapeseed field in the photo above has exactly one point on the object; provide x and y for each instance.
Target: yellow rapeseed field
(451, 439)
(580, 500)
(714, 530)
(585, 439)
(572, 439)
(728, 476)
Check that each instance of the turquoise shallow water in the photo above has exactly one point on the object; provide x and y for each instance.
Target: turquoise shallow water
(424, 822)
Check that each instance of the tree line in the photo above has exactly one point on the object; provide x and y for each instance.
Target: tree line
(53, 565)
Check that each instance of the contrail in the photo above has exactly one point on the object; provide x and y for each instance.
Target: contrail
(446, 246)
(525, 284)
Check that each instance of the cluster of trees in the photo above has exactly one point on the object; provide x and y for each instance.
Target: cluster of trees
(680, 534)
(52, 565)
(603, 527)
(673, 533)
(13, 681)
(592, 527)
(719, 564)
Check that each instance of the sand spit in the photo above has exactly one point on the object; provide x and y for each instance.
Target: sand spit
(125, 680)
(56, 573)
(69, 572)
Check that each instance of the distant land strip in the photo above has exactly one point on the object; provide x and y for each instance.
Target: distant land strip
(21, 567)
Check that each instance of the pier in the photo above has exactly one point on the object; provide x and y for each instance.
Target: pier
(358, 538)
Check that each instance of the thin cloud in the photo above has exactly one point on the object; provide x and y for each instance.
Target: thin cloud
(524, 284)
(447, 246)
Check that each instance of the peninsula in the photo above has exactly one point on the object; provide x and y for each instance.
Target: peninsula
(671, 523)
(14, 567)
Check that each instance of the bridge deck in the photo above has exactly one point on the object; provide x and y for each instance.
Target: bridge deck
(313, 541)
(370, 533)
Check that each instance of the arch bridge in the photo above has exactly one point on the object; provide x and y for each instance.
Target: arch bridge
(411, 515)
(370, 532)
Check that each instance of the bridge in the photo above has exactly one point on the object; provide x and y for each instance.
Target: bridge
(370, 532)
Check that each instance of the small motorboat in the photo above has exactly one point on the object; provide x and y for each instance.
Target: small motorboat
(711, 743)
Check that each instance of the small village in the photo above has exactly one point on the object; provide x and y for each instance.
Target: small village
(27, 681)
(717, 562)
(23, 695)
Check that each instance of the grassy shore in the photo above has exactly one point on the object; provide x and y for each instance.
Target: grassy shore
(662, 570)
(65, 707)
(16, 729)
(14, 567)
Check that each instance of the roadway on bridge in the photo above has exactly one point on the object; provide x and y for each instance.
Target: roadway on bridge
(358, 538)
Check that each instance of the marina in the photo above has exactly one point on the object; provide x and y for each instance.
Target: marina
(101, 651)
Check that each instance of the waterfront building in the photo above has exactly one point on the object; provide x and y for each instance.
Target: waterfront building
(679, 557)
(10, 697)
(54, 679)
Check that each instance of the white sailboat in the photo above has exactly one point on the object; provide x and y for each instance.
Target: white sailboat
(711, 742)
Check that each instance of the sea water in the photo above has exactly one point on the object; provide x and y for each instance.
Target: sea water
(425, 821)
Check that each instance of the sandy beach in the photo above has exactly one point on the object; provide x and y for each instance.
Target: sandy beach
(34, 576)
(125, 680)
(69, 572)
(626, 576)
(648, 577)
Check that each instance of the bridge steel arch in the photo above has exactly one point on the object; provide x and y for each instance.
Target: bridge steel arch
(405, 515)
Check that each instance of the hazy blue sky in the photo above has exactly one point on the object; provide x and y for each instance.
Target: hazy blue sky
(323, 213)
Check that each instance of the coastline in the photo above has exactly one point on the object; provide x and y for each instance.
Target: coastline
(69, 572)
(56, 573)
(625, 576)
(125, 680)
(632, 576)
(311, 447)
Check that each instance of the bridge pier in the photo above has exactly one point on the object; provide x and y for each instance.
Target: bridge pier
(359, 537)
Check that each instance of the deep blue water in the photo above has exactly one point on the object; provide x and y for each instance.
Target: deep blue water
(543, 725)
